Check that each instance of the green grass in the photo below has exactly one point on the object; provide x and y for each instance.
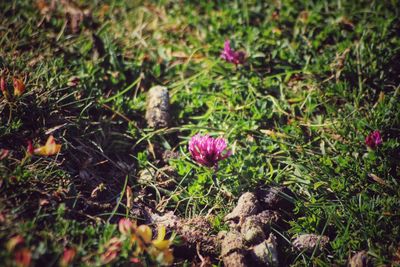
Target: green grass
(320, 76)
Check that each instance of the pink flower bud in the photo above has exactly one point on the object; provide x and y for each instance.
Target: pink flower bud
(235, 57)
(374, 139)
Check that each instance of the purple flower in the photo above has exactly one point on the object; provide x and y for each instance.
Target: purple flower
(374, 139)
(232, 56)
(207, 150)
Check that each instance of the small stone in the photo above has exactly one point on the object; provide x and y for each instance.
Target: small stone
(308, 242)
(253, 235)
(221, 235)
(266, 253)
(232, 250)
(266, 218)
(169, 220)
(169, 154)
(157, 110)
(247, 205)
(194, 233)
(232, 242)
(235, 259)
(252, 231)
(360, 259)
(166, 177)
(146, 176)
(274, 198)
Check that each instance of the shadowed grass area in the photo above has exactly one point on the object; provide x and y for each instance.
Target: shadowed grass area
(319, 77)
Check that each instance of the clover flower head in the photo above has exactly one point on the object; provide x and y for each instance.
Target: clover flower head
(374, 139)
(229, 55)
(208, 151)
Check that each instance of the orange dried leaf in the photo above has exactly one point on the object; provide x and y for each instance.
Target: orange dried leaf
(4, 153)
(14, 242)
(3, 88)
(129, 196)
(43, 202)
(23, 257)
(67, 257)
(377, 179)
(49, 149)
(3, 85)
(19, 87)
(2, 216)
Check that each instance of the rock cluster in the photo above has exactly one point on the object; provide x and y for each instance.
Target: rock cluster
(310, 242)
(250, 241)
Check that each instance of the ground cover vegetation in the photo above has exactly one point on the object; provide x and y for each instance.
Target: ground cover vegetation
(136, 132)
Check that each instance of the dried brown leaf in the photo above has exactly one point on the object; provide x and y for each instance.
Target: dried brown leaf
(377, 179)
(129, 197)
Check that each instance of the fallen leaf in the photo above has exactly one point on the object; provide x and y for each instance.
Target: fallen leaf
(67, 257)
(273, 133)
(129, 197)
(4, 153)
(360, 259)
(101, 187)
(14, 242)
(75, 15)
(275, 15)
(2, 217)
(43, 202)
(3, 85)
(346, 22)
(338, 63)
(276, 31)
(19, 87)
(23, 257)
(45, 9)
(381, 97)
(134, 260)
(51, 130)
(29, 147)
(35, 60)
(103, 10)
(377, 179)
(303, 16)
(73, 81)
(396, 258)
(49, 149)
